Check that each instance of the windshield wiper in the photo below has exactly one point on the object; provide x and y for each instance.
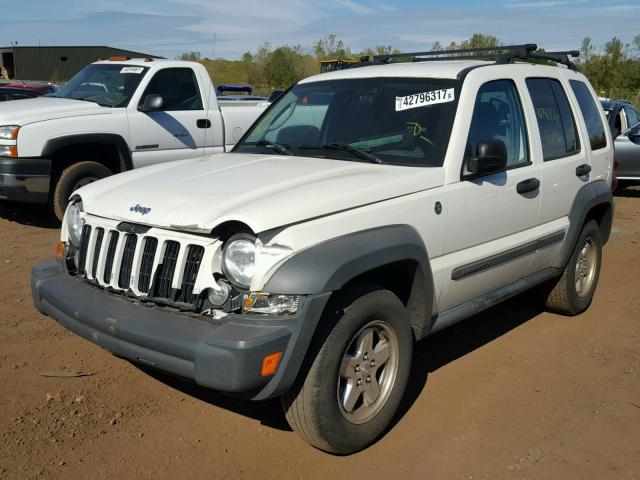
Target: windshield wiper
(277, 147)
(345, 147)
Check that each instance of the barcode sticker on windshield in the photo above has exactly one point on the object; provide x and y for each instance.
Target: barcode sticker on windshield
(424, 98)
(132, 70)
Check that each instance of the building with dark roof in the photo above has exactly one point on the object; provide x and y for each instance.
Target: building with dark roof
(55, 64)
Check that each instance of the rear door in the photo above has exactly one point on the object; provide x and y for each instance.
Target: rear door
(490, 224)
(565, 148)
(174, 132)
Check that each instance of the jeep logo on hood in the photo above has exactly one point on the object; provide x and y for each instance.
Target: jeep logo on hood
(140, 209)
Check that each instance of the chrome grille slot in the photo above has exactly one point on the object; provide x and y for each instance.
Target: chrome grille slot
(146, 264)
(84, 245)
(192, 265)
(164, 274)
(96, 251)
(163, 267)
(124, 277)
(111, 255)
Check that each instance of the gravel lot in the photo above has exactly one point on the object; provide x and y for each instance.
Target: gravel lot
(511, 393)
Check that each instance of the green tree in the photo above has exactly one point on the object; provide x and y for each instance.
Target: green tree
(191, 56)
(477, 40)
(331, 47)
(379, 50)
(586, 50)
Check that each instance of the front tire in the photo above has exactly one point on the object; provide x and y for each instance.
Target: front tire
(354, 384)
(73, 177)
(574, 291)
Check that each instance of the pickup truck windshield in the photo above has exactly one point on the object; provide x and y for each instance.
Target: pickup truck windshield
(106, 85)
(398, 121)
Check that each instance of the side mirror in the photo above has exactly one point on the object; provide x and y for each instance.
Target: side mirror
(152, 103)
(491, 156)
(634, 134)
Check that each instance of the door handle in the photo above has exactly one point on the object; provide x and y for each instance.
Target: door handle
(583, 169)
(529, 185)
(203, 123)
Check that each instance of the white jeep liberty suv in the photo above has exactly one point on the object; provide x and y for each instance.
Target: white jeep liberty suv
(364, 210)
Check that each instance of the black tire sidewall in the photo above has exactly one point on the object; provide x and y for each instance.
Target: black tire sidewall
(69, 178)
(578, 303)
(381, 305)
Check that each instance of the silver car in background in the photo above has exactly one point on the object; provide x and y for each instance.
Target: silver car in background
(624, 121)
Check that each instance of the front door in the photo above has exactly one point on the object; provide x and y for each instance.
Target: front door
(491, 220)
(173, 132)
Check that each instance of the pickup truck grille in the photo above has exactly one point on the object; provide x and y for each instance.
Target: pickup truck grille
(156, 269)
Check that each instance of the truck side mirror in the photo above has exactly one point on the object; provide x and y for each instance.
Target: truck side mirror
(152, 103)
(491, 157)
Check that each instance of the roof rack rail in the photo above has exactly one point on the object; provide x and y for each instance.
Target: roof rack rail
(521, 50)
(501, 54)
(562, 57)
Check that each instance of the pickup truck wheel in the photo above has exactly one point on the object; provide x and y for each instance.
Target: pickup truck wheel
(72, 178)
(354, 384)
(574, 291)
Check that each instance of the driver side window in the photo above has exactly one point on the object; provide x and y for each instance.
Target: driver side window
(497, 115)
(178, 88)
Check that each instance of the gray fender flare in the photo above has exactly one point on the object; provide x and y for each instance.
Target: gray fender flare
(328, 266)
(589, 196)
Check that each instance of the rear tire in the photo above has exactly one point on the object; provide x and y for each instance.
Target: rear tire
(355, 377)
(72, 178)
(573, 292)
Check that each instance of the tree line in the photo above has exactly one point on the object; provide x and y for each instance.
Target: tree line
(613, 68)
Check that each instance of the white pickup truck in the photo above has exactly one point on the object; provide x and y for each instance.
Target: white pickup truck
(114, 115)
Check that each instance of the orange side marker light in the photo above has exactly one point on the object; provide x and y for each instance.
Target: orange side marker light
(60, 251)
(270, 364)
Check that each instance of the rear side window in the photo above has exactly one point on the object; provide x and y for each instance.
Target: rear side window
(555, 120)
(592, 119)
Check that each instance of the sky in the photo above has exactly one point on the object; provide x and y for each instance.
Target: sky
(171, 27)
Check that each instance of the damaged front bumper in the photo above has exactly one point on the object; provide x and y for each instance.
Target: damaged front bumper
(224, 354)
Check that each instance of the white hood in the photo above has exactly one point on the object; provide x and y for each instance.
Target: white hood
(23, 112)
(263, 191)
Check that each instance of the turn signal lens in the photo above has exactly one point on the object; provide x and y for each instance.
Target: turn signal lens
(60, 250)
(9, 151)
(270, 364)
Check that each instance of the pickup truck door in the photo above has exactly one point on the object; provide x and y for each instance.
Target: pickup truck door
(177, 131)
(491, 219)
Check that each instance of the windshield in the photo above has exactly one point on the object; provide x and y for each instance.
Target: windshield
(399, 121)
(104, 84)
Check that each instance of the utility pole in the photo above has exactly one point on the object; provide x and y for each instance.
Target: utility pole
(213, 53)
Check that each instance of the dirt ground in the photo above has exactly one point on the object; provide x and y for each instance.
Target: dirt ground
(511, 393)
